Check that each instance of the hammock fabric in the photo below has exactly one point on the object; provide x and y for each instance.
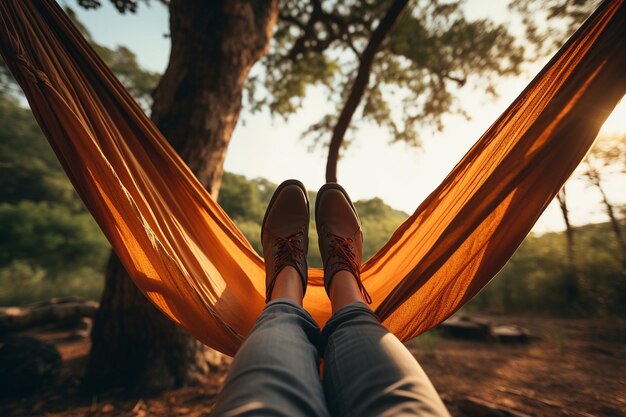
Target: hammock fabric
(191, 261)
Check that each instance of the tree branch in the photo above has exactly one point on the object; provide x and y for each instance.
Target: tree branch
(459, 80)
(360, 84)
(337, 28)
(292, 20)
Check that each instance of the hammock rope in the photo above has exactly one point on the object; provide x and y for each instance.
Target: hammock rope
(191, 261)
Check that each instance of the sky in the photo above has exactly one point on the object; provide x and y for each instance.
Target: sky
(268, 147)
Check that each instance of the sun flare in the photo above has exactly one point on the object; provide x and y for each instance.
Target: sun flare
(616, 122)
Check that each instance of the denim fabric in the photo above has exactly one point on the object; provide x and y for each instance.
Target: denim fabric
(276, 370)
(367, 370)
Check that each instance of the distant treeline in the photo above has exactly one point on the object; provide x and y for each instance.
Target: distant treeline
(539, 279)
(50, 245)
(246, 200)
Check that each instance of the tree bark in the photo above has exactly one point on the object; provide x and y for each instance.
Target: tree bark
(196, 106)
(360, 84)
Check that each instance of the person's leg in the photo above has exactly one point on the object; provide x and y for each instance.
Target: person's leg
(275, 372)
(367, 370)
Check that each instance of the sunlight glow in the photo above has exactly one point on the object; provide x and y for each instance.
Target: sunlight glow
(616, 123)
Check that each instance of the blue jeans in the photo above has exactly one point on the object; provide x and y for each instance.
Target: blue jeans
(367, 371)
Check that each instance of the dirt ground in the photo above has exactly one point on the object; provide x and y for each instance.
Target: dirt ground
(574, 367)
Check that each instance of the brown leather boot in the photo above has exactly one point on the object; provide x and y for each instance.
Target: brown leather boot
(339, 234)
(285, 233)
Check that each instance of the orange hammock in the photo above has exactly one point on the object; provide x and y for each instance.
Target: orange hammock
(191, 261)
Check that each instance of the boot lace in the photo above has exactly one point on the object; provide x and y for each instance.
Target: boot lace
(343, 251)
(288, 250)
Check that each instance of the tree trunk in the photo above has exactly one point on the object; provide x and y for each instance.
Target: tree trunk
(610, 211)
(569, 232)
(196, 106)
(594, 177)
(360, 84)
(570, 277)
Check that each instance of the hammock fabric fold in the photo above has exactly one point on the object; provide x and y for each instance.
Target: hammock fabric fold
(191, 261)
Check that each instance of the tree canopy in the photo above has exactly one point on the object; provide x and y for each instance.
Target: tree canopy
(409, 74)
(432, 51)
(121, 61)
(549, 22)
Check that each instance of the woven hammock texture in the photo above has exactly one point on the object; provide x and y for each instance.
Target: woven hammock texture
(191, 261)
